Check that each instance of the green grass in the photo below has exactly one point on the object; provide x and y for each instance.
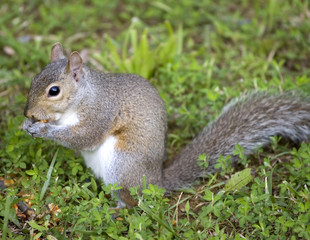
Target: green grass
(199, 55)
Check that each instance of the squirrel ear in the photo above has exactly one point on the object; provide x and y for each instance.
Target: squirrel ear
(57, 52)
(75, 65)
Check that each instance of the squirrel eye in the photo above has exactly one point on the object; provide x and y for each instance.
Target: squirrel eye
(54, 91)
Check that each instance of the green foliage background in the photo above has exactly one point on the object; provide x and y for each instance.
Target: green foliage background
(199, 55)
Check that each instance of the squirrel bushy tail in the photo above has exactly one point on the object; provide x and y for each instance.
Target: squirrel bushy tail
(250, 122)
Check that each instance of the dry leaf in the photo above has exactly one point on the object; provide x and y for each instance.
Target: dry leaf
(8, 50)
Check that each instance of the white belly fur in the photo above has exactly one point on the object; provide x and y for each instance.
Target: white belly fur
(102, 160)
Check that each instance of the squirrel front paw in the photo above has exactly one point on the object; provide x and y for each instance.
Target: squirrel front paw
(35, 129)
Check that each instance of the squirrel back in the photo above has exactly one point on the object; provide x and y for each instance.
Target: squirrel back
(119, 124)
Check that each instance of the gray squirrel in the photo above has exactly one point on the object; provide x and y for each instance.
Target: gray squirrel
(118, 122)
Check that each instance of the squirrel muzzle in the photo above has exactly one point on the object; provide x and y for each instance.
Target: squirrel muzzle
(36, 114)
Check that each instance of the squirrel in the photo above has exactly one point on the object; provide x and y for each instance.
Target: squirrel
(118, 122)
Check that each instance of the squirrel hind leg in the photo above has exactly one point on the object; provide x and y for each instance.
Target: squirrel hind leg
(125, 199)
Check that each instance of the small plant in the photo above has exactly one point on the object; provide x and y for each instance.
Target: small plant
(224, 164)
(135, 55)
(239, 151)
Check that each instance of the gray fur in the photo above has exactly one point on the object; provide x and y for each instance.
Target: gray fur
(130, 109)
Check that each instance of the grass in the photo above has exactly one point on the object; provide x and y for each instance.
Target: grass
(199, 55)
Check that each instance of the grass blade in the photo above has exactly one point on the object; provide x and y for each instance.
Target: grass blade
(6, 216)
(49, 174)
(158, 219)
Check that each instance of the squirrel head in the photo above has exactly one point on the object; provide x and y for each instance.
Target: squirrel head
(54, 90)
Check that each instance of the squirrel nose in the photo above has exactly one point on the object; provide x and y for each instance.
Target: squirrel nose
(27, 113)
